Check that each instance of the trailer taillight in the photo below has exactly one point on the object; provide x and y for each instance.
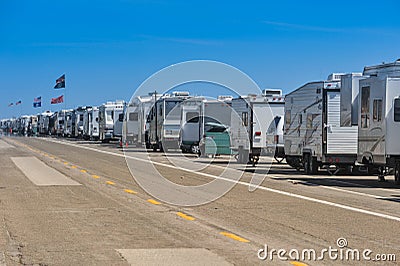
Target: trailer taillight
(276, 139)
(257, 134)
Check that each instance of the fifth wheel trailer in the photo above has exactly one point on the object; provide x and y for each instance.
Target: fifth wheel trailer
(313, 133)
(379, 116)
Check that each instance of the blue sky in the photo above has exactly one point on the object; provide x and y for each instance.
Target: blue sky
(108, 48)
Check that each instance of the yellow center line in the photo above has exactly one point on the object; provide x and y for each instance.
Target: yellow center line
(65, 163)
(83, 171)
(153, 202)
(235, 237)
(130, 191)
(73, 167)
(297, 263)
(184, 216)
(95, 176)
(110, 183)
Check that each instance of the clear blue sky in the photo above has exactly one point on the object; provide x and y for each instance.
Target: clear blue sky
(107, 48)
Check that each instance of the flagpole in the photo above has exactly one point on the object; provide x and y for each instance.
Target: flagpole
(65, 93)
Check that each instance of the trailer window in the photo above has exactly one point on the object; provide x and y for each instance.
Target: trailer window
(245, 119)
(396, 110)
(192, 117)
(377, 110)
(300, 119)
(121, 117)
(133, 117)
(365, 95)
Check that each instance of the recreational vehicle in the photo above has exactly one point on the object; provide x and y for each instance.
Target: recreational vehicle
(78, 130)
(134, 130)
(197, 115)
(164, 121)
(119, 114)
(43, 122)
(252, 116)
(86, 123)
(379, 116)
(91, 123)
(313, 133)
(107, 117)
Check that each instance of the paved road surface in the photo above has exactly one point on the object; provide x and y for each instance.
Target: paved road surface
(94, 213)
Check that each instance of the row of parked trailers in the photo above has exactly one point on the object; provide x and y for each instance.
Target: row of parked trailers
(91, 123)
(349, 121)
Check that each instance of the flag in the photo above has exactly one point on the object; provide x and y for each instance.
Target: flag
(19, 102)
(57, 100)
(11, 104)
(60, 82)
(37, 102)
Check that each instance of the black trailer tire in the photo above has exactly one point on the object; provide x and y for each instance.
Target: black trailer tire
(313, 165)
(397, 173)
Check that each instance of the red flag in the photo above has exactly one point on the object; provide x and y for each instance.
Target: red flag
(57, 100)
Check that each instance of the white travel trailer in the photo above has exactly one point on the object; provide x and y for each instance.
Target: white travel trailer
(134, 130)
(119, 114)
(253, 115)
(91, 123)
(107, 116)
(43, 122)
(94, 125)
(78, 130)
(86, 123)
(68, 123)
(164, 121)
(379, 116)
(313, 133)
(197, 113)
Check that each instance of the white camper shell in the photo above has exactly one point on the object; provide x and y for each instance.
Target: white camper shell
(107, 119)
(197, 114)
(379, 116)
(164, 121)
(253, 115)
(313, 133)
(91, 123)
(134, 130)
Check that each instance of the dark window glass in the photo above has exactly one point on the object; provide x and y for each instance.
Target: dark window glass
(396, 110)
(192, 117)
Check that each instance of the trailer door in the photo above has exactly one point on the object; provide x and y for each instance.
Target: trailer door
(339, 140)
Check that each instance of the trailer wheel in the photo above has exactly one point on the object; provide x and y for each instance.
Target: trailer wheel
(397, 173)
(313, 165)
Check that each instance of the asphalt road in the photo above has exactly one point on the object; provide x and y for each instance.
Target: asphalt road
(108, 219)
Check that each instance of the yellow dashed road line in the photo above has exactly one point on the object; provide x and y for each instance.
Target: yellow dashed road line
(110, 183)
(235, 237)
(184, 216)
(95, 176)
(153, 202)
(73, 167)
(130, 191)
(83, 171)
